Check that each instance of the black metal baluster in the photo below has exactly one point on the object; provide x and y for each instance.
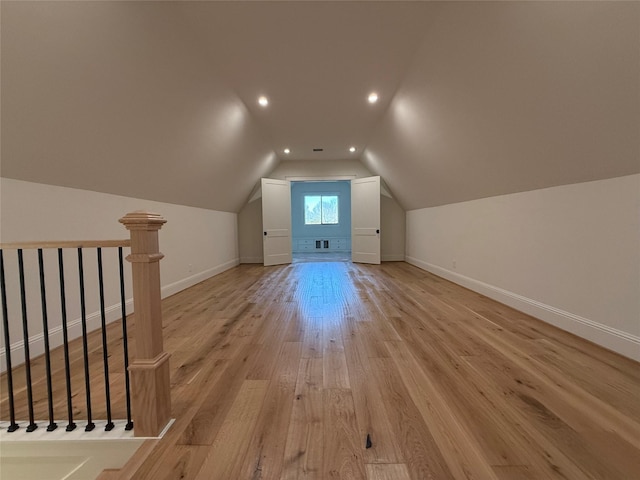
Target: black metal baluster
(45, 333)
(90, 425)
(25, 335)
(65, 335)
(125, 342)
(105, 356)
(13, 426)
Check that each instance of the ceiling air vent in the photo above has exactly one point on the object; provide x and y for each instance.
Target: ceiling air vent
(318, 149)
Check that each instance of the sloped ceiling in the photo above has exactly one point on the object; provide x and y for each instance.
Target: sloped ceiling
(117, 97)
(316, 62)
(157, 100)
(513, 96)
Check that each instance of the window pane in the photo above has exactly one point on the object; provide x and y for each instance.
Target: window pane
(312, 209)
(329, 209)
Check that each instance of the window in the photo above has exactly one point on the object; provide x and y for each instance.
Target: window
(320, 209)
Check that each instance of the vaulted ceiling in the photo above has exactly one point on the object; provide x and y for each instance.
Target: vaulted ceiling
(158, 100)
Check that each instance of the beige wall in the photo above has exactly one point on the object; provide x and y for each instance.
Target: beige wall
(568, 255)
(250, 232)
(392, 216)
(392, 230)
(197, 244)
(321, 170)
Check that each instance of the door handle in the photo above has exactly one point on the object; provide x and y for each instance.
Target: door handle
(265, 234)
(377, 231)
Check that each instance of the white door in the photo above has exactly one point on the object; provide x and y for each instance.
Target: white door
(365, 220)
(276, 221)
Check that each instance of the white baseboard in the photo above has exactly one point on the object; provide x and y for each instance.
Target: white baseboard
(112, 313)
(620, 342)
(392, 257)
(180, 285)
(251, 260)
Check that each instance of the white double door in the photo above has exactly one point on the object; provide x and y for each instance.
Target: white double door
(365, 220)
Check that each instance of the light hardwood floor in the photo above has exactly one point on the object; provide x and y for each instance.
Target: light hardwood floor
(283, 372)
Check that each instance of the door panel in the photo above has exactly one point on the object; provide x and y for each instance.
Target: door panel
(365, 220)
(276, 221)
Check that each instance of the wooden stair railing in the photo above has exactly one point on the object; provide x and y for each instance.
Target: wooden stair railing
(149, 371)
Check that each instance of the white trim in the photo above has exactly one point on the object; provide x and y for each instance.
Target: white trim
(319, 178)
(41, 434)
(251, 260)
(392, 257)
(185, 283)
(621, 342)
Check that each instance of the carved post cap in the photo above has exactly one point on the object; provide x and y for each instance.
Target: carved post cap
(142, 220)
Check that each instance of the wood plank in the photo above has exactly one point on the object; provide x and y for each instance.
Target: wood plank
(371, 411)
(312, 341)
(183, 462)
(217, 399)
(460, 449)
(342, 445)
(422, 454)
(514, 472)
(561, 423)
(488, 423)
(225, 456)
(264, 457)
(626, 426)
(387, 472)
(336, 374)
(303, 456)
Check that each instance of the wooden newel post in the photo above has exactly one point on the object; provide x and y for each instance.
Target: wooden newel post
(150, 388)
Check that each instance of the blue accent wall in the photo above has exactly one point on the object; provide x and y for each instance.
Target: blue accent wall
(318, 232)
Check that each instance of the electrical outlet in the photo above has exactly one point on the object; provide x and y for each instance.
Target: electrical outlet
(454, 264)
(190, 268)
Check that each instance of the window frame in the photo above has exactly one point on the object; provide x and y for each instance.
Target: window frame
(320, 194)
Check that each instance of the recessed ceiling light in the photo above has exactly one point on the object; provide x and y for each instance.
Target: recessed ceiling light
(373, 97)
(287, 151)
(263, 101)
(352, 149)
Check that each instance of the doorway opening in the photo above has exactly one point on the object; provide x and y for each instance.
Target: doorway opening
(321, 221)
